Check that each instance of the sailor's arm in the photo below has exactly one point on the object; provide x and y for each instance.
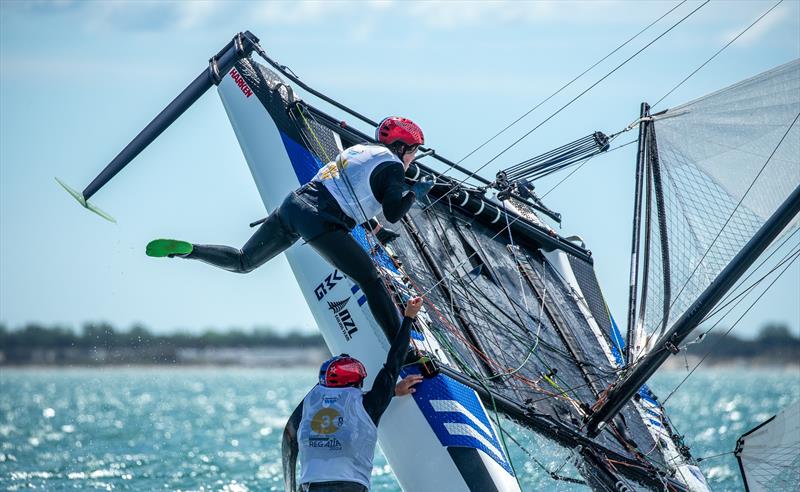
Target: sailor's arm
(378, 398)
(289, 449)
(387, 182)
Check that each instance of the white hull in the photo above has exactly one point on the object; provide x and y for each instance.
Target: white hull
(443, 414)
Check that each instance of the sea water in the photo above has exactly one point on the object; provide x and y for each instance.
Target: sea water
(209, 429)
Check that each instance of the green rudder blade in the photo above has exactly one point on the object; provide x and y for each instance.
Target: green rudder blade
(85, 204)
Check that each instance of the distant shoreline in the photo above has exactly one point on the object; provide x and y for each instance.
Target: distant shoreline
(676, 364)
(101, 345)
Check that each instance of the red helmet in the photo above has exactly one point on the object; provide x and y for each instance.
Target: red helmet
(341, 371)
(396, 129)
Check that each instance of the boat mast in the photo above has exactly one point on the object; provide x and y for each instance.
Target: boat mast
(635, 235)
(623, 391)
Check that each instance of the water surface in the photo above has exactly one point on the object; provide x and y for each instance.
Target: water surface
(208, 429)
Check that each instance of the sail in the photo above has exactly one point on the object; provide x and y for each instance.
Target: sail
(717, 168)
(769, 454)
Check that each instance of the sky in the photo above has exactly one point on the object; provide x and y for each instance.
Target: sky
(78, 80)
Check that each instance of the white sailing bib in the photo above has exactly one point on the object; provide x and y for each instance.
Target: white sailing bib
(336, 438)
(347, 179)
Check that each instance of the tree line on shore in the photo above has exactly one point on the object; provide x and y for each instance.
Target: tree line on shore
(774, 343)
(103, 335)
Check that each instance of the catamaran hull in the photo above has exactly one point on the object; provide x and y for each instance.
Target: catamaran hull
(442, 439)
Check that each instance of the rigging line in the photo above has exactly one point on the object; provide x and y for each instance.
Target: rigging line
(473, 173)
(728, 298)
(569, 357)
(551, 348)
(797, 255)
(475, 351)
(564, 87)
(521, 324)
(486, 313)
(704, 458)
(506, 369)
(552, 474)
(454, 269)
(717, 53)
(450, 272)
(611, 139)
(514, 254)
(589, 88)
(719, 233)
(531, 350)
(522, 379)
(787, 258)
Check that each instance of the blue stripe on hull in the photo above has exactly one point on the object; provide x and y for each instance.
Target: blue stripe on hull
(444, 423)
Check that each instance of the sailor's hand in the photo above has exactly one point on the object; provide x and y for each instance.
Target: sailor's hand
(413, 307)
(405, 386)
(422, 187)
(386, 236)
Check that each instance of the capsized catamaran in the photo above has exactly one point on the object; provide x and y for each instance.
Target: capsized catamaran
(514, 321)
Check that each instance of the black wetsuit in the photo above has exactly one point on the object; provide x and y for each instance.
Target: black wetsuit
(375, 401)
(313, 214)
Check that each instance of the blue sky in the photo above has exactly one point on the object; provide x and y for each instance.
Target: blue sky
(79, 79)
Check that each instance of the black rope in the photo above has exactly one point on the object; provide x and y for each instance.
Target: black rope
(591, 87)
(473, 173)
(486, 314)
(717, 53)
(714, 456)
(557, 159)
(567, 84)
(611, 139)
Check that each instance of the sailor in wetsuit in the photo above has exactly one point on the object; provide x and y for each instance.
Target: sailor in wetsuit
(361, 182)
(335, 427)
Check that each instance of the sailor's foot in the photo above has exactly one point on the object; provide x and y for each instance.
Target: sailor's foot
(158, 248)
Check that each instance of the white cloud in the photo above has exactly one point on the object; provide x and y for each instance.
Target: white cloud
(450, 15)
(764, 27)
(153, 16)
(196, 14)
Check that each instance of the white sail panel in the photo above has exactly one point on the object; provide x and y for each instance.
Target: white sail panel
(769, 455)
(717, 168)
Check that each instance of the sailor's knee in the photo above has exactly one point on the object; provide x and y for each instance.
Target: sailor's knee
(371, 284)
(245, 265)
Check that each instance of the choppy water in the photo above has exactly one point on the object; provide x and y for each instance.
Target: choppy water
(219, 429)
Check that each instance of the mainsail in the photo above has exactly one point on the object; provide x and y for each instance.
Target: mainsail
(716, 169)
